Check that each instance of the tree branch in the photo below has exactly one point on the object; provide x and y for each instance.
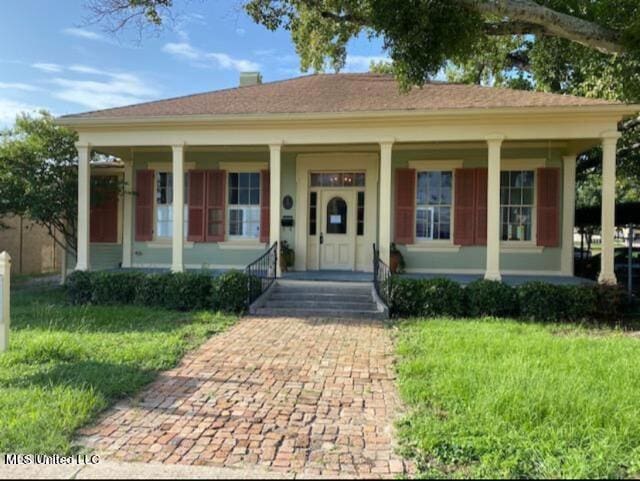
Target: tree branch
(554, 23)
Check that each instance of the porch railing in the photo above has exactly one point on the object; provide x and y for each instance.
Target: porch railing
(261, 273)
(382, 278)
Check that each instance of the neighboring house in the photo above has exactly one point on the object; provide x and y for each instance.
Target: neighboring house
(463, 178)
(32, 249)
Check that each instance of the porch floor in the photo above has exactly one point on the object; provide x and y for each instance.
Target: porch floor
(360, 276)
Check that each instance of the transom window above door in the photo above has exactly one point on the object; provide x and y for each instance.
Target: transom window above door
(433, 205)
(337, 179)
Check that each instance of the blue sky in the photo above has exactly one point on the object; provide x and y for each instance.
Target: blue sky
(51, 58)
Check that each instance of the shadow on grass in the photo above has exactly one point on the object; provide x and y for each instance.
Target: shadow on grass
(112, 381)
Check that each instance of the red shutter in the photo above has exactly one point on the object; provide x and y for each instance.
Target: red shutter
(144, 205)
(405, 206)
(197, 198)
(104, 216)
(215, 215)
(265, 198)
(464, 207)
(481, 178)
(548, 228)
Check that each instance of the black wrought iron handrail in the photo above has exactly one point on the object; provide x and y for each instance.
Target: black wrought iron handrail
(382, 278)
(261, 273)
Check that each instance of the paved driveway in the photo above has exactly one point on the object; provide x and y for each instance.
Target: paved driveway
(311, 397)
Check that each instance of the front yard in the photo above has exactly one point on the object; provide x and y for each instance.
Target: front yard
(505, 399)
(67, 363)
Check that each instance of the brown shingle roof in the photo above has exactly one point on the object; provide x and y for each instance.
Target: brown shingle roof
(326, 93)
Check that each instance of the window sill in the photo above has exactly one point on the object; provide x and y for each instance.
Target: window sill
(241, 245)
(433, 247)
(516, 247)
(166, 244)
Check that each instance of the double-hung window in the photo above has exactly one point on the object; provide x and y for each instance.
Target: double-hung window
(244, 205)
(164, 205)
(516, 205)
(433, 205)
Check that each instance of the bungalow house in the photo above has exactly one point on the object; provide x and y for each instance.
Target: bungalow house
(463, 179)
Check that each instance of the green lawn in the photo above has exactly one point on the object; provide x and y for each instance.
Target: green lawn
(67, 363)
(505, 399)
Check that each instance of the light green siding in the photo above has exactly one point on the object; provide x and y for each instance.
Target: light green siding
(474, 257)
(212, 255)
(101, 257)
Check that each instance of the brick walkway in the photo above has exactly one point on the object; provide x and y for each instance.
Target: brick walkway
(304, 396)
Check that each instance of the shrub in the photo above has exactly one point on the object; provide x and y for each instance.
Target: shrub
(187, 291)
(406, 297)
(581, 302)
(444, 297)
(612, 304)
(543, 302)
(114, 287)
(78, 287)
(230, 291)
(152, 290)
(491, 298)
(427, 297)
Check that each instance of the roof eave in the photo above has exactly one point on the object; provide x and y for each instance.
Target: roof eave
(622, 110)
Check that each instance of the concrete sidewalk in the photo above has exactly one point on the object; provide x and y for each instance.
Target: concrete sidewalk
(120, 470)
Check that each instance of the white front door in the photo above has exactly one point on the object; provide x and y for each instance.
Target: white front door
(338, 229)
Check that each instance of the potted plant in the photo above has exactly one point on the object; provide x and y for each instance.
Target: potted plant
(396, 261)
(287, 256)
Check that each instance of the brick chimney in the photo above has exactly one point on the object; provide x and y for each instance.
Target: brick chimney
(250, 78)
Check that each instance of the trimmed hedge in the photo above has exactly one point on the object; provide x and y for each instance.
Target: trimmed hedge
(427, 297)
(181, 291)
(492, 298)
(533, 301)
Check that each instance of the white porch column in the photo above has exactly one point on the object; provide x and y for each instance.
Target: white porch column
(275, 151)
(386, 148)
(493, 209)
(568, 212)
(127, 213)
(609, 146)
(177, 264)
(84, 206)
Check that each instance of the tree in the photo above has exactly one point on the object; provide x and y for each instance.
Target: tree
(420, 35)
(39, 177)
(581, 47)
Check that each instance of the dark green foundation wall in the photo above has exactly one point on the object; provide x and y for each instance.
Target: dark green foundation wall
(468, 258)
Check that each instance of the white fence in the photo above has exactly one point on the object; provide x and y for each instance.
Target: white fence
(5, 300)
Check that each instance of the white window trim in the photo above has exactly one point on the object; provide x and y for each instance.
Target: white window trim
(241, 244)
(156, 237)
(240, 240)
(158, 241)
(435, 245)
(166, 243)
(526, 246)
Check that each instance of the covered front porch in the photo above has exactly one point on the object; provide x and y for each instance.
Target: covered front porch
(330, 193)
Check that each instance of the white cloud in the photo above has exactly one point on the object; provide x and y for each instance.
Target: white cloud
(227, 62)
(18, 86)
(112, 90)
(82, 33)
(240, 32)
(182, 49)
(361, 63)
(48, 67)
(216, 59)
(9, 109)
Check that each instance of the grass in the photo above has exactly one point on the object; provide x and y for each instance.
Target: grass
(67, 363)
(494, 399)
